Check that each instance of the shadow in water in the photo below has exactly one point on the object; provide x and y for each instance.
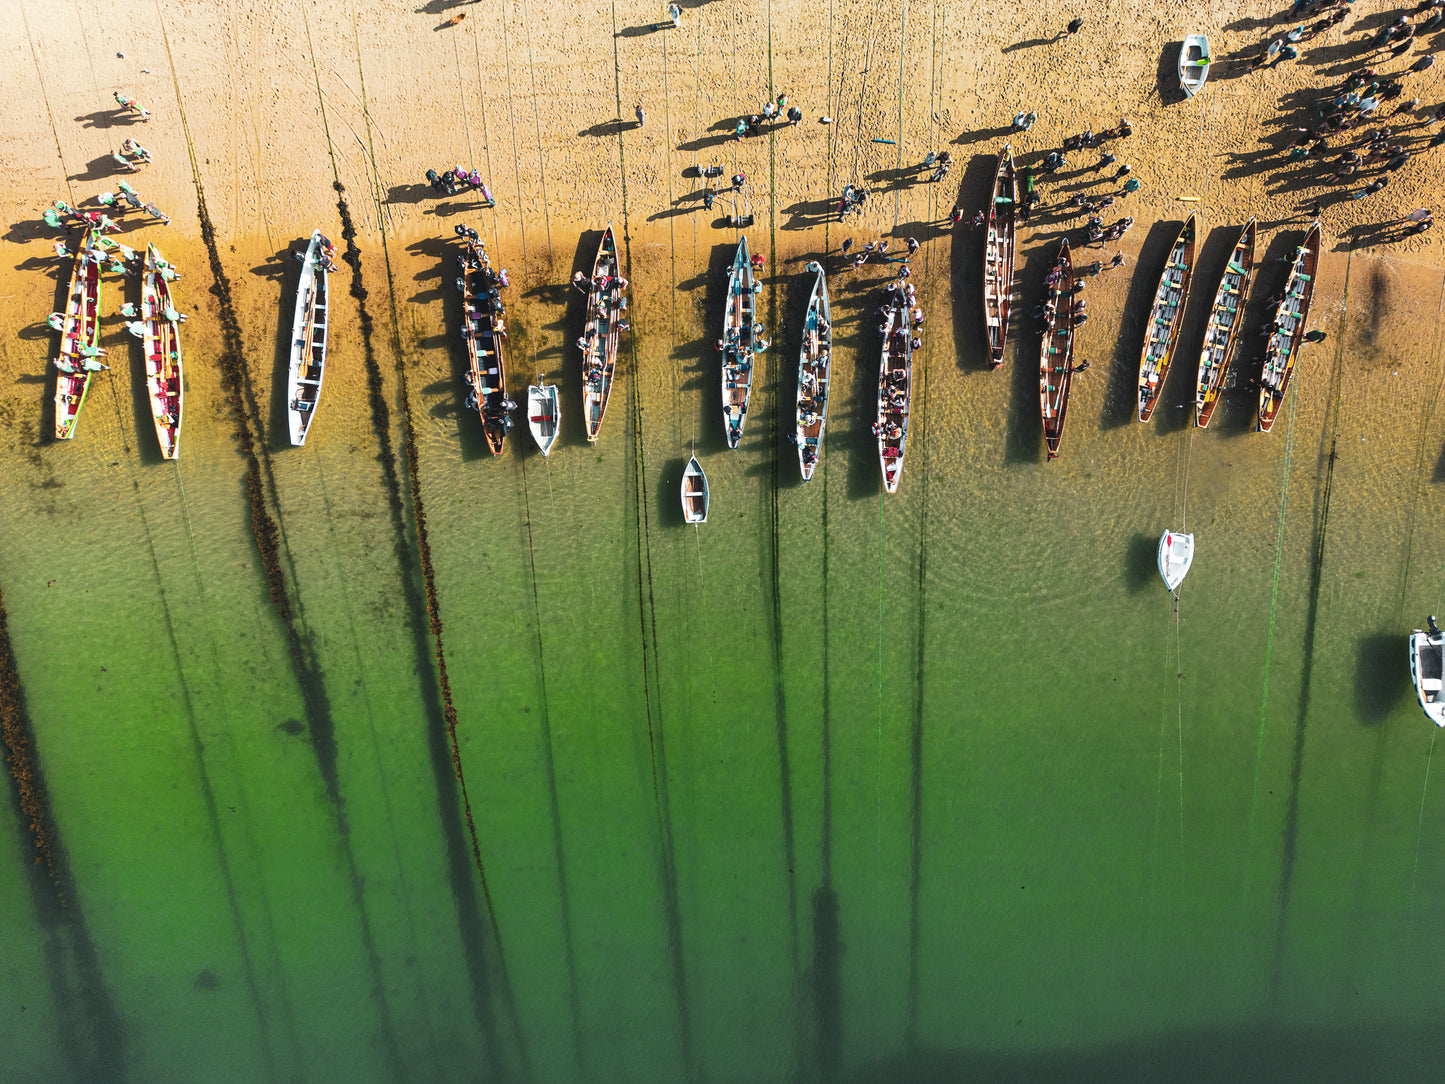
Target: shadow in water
(1141, 562)
(1382, 676)
(668, 501)
(1226, 1055)
(825, 983)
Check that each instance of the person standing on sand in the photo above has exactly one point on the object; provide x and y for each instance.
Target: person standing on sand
(955, 216)
(1131, 185)
(1075, 25)
(675, 14)
(641, 116)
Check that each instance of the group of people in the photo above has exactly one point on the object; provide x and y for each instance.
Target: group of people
(773, 110)
(485, 321)
(132, 155)
(459, 179)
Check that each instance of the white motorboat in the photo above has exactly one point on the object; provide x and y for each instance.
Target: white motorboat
(1427, 669)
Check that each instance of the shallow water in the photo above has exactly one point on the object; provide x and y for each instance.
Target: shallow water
(839, 785)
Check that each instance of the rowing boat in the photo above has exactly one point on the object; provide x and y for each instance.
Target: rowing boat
(1427, 670)
(605, 324)
(998, 256)
(544, 414)
(1165, 315)
(79, 336)
(484, 333)
(1287, 330)
(308, 339)
(1056, 353)
(694, 493)
(1194, 61)
(814, 366)
(895, 390)
(162, 342)
(1176, 554)
(738, 344)
(1221, 337)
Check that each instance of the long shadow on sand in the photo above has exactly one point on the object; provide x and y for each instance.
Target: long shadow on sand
(965, 262)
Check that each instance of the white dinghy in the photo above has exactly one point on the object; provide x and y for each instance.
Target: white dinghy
(544, 414)
(1176, 554)
(1194, 61)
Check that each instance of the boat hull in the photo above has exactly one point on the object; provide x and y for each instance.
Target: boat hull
(1283, 347)
(79, 336)
(307, 368)
(1427, 670)
(814, 369)
(162, 348)
(1194, 64)
(695, 495)
(1161, 333)
(998, 257)
(601, 334)
(1221, 336)
(1056, 354)
(738, 344)
(544, 415)
(1176, 555)
(895, 391)
(484, 335)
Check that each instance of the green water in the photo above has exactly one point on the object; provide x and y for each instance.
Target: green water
(839, 786)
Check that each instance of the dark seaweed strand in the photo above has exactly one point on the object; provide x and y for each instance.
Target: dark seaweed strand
(20, 757)
(381, 423)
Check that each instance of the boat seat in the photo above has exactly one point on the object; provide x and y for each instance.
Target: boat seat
(1430, 685)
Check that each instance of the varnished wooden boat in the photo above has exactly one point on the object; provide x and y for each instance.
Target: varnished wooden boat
(1288, 329)
(895, 391)
(308, 340)
(814, 367)
(737, 345)
(544, 415)
(1056, 353)
(606, 305)
(998, 256)
(162, 343)
(694, 493)
(1221, 337)
(77, 359)
(1161, 334)
(484, 334)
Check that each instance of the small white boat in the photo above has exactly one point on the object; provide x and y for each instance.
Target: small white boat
(308, 339)
(1427, 669)
(1176, 554)
(694, 493)
(544, 414)
(1194, 61)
